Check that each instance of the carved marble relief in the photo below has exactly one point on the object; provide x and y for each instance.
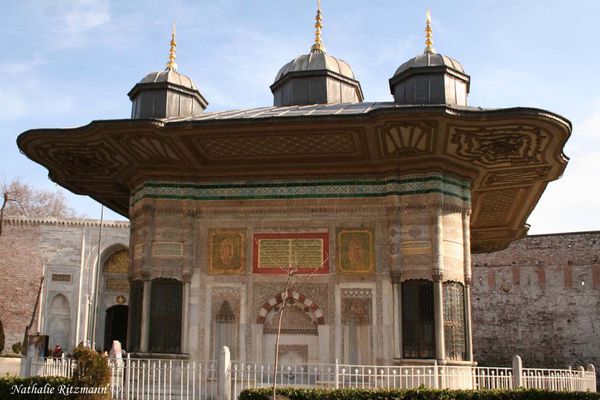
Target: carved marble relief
(497, 205)
(277, 145)
(292, 354)
(406, 139)
(356, 311)
(152, 149)
(509, 177)
(357, 321)
(495, 146)
(225, 303)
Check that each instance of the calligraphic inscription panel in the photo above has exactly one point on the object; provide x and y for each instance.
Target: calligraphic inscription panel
(277, 253)
(61, 277)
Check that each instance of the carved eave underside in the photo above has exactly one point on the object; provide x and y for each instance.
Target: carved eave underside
(509, 155)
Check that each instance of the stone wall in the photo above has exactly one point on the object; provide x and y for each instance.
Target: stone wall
(540, 298)
(20, 272)
(62, 250)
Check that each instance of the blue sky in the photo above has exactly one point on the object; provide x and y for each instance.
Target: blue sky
(68, 62)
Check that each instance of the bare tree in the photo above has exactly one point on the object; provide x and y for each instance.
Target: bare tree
(292, 269)
(32, 320)
(21, 199)
(5, 200)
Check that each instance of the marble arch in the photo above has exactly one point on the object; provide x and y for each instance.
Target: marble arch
(302, 299)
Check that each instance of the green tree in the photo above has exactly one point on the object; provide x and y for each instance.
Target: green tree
(92, 370)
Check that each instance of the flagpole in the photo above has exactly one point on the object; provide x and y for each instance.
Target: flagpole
(96, 282)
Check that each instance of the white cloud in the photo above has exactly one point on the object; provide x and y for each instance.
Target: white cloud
(572, 203)
(69, 21)
(29, 93)
(84, 15)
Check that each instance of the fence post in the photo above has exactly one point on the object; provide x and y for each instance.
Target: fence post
(517, 366)
(581, 381)
(591, 385)
(125, 387)
(435, 375)
(337, 374)
(224, 384)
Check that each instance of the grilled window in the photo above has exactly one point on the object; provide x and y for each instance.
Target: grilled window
(418, 327)
(454, 320)
(136, 296)
(165, 316)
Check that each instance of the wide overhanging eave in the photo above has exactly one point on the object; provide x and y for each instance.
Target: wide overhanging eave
(105, 158)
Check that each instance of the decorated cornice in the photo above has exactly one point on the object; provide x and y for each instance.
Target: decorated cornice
(29, 221)
(357, 188)
(508, 156)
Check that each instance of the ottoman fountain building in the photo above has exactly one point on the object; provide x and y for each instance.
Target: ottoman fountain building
(374, 207)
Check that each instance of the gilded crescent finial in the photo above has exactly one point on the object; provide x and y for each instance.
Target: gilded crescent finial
(318, 45)
(171, 65)
(428, 34)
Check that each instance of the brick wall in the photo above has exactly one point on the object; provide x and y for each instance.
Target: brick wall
(20, 272)
(540, 298)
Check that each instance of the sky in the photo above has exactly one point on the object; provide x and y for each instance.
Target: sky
(68, 62)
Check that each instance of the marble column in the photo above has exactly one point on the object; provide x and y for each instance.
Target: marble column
(467, 266)
(148, 237)
(438, 294)
(185, 315)
(397, 289)
(145, 329)
(189, 215)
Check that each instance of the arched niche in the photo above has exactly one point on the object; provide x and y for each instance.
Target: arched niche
(58, 322)
(113, 290)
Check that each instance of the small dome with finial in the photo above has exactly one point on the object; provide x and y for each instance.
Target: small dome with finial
(316, 77)
(167, 93)
(430, 78)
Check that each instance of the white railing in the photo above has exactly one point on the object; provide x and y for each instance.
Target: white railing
(260, 375)
(492, 378)
(52, 367)
(159, 379)
(163, 379)
(563, 380)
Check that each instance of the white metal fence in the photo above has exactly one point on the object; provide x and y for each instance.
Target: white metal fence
(51, 367)
(143, 379)
(153, 379)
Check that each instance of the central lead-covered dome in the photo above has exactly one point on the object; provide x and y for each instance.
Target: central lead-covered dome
(428, 59)
(315, 61)
(316, 78)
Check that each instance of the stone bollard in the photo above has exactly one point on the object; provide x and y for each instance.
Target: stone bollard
(517, 366)
(592, 369)
(224, 384)
(580, 383)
